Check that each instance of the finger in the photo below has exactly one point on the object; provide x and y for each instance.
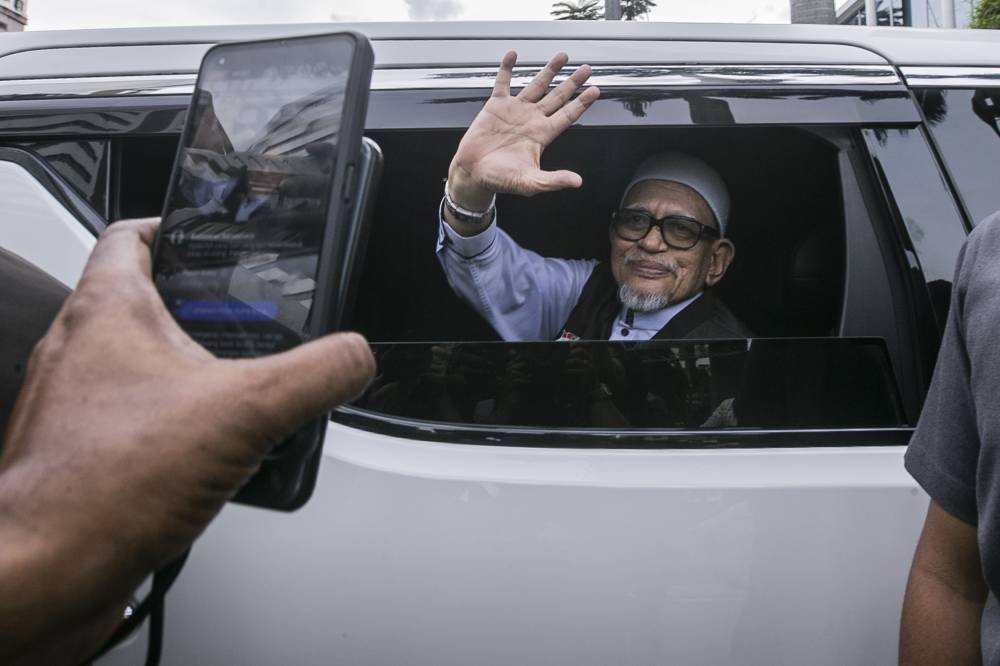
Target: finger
(571, 112)
(552, 181)
(123, 250)
(290, 388)
(562, 93)
(540, 84)
(501, 87)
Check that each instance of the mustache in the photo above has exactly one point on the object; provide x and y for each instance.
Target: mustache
(666, 263)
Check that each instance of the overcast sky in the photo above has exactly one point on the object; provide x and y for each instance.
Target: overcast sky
(63, 14)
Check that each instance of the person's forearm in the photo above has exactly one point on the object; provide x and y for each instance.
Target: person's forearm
(71, 646)
(944, 596)
(940, 624)
(56, 581)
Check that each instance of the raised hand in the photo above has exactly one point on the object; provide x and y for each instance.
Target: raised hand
(502, 148)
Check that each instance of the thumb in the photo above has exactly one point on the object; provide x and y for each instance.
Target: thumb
(288, 389)
(551, 181)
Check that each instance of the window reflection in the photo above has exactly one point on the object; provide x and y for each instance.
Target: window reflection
(683, 385)
(966, 126)
(925, 203)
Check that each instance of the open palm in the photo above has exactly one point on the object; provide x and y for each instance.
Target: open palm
(501, 150)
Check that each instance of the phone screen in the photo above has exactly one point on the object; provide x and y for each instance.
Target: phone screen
(244, 221)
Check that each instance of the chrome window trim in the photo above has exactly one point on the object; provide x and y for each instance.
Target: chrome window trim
(433, 427)
(952, 77)
(98, 86)
(719, 76)
(625, 76)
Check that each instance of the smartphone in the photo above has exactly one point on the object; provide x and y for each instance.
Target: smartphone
(251, 251)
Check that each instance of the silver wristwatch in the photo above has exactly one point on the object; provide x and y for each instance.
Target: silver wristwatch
(469, 216)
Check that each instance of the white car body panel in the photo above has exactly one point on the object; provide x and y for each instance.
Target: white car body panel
(423, 553)
(39, 229)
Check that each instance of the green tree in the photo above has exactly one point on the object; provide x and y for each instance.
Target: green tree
(986, 15)
(584, 10)
(635, 9)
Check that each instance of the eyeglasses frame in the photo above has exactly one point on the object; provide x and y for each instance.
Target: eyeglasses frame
(703, 229)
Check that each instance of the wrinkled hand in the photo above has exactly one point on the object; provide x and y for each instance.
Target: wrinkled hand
(502, 148)
(127, 439)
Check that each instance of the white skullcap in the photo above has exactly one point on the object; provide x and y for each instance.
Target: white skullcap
(691, 171)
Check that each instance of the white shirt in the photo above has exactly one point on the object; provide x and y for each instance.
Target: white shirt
(644, 325)
(524, 295)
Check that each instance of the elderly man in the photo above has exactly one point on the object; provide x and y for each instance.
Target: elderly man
(668, 244)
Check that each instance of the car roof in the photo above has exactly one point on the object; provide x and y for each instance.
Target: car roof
(450, 43)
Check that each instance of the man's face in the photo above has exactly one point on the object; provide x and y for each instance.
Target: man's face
(650, 273)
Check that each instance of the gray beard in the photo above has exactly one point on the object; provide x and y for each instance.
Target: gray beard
(634, 300)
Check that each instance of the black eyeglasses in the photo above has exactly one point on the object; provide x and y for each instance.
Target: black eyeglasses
(678, 231)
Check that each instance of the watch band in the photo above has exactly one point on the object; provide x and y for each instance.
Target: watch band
(469, 216)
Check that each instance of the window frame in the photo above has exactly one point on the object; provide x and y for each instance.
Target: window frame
(455, 109)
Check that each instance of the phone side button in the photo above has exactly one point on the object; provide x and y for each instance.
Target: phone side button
(349, 175)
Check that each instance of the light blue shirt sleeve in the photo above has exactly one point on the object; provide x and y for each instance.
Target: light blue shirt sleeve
(523, 295)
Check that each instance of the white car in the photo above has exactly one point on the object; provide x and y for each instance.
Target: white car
(752, 506)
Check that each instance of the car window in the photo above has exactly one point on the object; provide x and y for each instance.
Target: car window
(826, 353)
(787, 224)
(966, 125)
(923, 205)
(142, 171)
(830, 274)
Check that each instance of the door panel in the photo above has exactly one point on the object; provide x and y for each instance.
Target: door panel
(422, 553)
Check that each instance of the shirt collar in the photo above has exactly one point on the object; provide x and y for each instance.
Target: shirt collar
(657, 319)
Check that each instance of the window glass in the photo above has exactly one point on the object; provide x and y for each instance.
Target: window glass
(934, 233)
(683, 385)
(142, 171)
(966, 126)
(923, 199)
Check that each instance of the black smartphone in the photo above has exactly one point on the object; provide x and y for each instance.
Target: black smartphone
(251, 252)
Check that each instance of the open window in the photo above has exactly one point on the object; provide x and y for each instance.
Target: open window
(787, 224)
(819, 276)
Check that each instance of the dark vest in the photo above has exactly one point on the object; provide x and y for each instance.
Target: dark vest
(598, 306)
